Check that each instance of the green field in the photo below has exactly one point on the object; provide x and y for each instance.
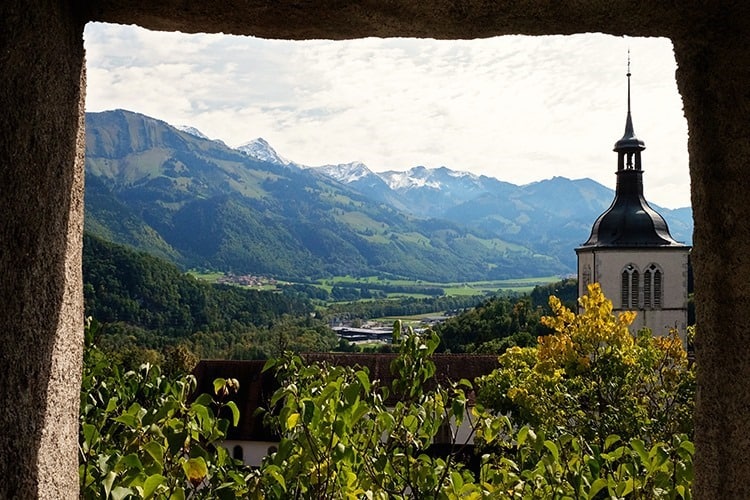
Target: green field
(518, 285)
(209, 276)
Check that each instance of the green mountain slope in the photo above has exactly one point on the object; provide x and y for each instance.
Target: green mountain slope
(121, 285)
(202, 204)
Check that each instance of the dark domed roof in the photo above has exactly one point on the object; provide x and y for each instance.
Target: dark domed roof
(630, 221)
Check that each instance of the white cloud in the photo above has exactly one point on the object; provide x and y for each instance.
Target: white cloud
(517, 108)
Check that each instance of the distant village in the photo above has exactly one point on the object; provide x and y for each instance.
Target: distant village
(247, 280)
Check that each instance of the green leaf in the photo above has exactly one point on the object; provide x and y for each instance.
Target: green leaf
(410, 423)
(90, 436)
(465, 383)
(458, 406)
(151, 483)
(128, 420)
(204, 400)
(235, 412)
(219, 384)
(128, 462)
(201, 412)
(457, 480)
(109, 479)
(156, 451)
(359, 412)
(596, 487)
(688, 446)
(351, 394)
(640, 448)
(225, 493)
(658, 456)
(178, 494)
(176, 440)
(594, 467)
(611, 439)
(271, 363)
(308, 410)
(680, 489)
(273, 471)
(625, 488)
(552, 447)
(522, 434)
(364, 379)
(111, 404)
(120, 493)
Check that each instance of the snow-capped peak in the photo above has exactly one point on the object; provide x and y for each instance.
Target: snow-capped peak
(261, 150)
(416, 177)
(346, 173)
(192, 131)
(423, 177)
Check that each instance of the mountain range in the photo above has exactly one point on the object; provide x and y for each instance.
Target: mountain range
(177, 194)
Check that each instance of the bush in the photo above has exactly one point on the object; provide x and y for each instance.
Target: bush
(591, 412)
(142, 437)
(592, 378)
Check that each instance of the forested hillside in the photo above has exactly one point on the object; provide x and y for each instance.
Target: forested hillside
(149, 304)
(149, 307)
(502, 322)
(201, 204)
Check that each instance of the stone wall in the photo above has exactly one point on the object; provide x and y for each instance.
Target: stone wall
(41, 219)
(41, 63)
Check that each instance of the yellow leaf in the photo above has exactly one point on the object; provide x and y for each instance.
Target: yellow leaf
(196, 470)
(291, 421)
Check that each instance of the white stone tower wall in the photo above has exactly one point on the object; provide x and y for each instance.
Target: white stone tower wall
(606, 265)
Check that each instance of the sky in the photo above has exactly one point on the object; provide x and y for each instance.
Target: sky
(517, 108)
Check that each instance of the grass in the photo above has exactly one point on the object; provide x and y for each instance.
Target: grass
(210, 276)
(521, 285)
(464, 289)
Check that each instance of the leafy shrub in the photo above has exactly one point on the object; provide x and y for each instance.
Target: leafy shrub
(142, 437)
(340, 440)
(592, 378)
(344, 435)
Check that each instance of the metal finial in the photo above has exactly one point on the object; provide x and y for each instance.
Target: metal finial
(628, 62)
(628, 75)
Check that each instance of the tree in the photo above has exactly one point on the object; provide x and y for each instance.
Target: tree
(492, 327)
(344, 435)
(593, 378)
(142, 437)
(339, 439)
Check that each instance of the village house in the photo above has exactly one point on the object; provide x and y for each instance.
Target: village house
(250, 441)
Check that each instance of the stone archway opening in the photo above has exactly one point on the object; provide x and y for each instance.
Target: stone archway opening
(41, 167)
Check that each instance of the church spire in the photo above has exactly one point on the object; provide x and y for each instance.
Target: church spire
(629, 222)
(629, 147)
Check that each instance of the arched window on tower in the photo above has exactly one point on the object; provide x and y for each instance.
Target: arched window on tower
(629, 287)
(652, 287)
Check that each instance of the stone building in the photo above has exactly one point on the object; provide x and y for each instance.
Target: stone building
(630, 252)
(250, 440)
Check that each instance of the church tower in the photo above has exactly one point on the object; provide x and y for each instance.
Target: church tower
(630, 252)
